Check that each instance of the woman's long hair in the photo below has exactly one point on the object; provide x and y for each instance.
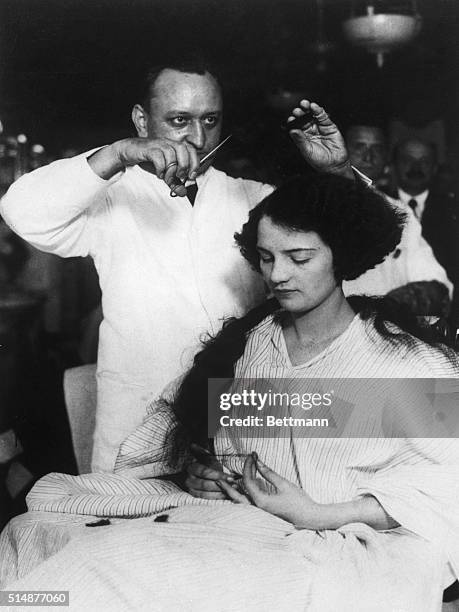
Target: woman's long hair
(219, 356)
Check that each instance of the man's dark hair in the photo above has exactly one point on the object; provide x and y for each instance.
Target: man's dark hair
(358, 224)
(430, 145)
(192, 63)
(363, 118)
(364, 124)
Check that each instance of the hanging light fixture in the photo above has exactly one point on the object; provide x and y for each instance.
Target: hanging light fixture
(321, 47)
(383, 27)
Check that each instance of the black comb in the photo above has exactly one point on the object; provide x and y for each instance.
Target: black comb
(299, 122)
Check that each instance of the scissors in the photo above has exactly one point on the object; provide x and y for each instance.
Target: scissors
(204, 159)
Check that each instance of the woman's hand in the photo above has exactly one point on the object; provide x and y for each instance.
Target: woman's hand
(283, 498)
(293, 504)
(203, 476)
(320, 141)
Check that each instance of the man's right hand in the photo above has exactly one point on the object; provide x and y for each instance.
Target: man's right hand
(168, 159)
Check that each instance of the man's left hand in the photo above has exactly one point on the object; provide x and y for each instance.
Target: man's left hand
(319, 141)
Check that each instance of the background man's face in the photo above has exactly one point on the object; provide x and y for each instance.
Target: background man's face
(186, 107)
(414, 166)
(367, 150)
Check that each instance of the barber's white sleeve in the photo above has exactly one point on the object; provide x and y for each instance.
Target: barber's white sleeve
(419, 259)
(49, 206)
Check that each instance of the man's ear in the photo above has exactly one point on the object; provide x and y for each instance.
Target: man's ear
(140, 120)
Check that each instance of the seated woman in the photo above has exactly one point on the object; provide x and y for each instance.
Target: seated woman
(355, 523)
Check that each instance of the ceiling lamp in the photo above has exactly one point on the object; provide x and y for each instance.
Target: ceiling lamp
(321, 47)
(383, 29)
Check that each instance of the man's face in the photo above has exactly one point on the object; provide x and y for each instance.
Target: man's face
(414, 167)
(186, 107)
(367, 150)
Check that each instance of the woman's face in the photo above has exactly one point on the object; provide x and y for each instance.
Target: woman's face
(296, 265)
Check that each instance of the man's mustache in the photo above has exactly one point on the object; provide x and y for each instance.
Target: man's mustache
(415, 174)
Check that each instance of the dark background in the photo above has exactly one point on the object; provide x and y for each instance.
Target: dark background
(68, 68)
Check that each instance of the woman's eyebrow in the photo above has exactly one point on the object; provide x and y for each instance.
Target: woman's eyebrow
(300, 249)
(296, 250)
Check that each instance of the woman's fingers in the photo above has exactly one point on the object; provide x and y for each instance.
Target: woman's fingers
(206, 472)
(270, 475)
(247, 471)
(232, 494)
(207, 488)
(207, 494)
(200, 484)
(249, 480)
(202, 481)
(253, 485)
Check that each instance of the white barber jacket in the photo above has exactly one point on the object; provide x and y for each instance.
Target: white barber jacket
(413, 260)
(169, 272)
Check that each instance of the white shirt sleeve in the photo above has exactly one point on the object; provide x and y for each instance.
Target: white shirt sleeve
(255, 191)
(49, 206)
(418, 257)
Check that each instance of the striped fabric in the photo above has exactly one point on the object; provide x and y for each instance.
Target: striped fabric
(236, 558)
(218, 556)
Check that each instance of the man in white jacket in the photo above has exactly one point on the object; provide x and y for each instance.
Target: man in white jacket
(169, 270)
(411, 274)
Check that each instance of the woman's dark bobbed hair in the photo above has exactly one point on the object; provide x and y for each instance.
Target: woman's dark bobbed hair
(360, 226)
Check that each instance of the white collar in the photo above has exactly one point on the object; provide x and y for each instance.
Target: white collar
(420, 200)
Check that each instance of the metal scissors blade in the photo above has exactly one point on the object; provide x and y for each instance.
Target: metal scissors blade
(204, 159)
(214, 150)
